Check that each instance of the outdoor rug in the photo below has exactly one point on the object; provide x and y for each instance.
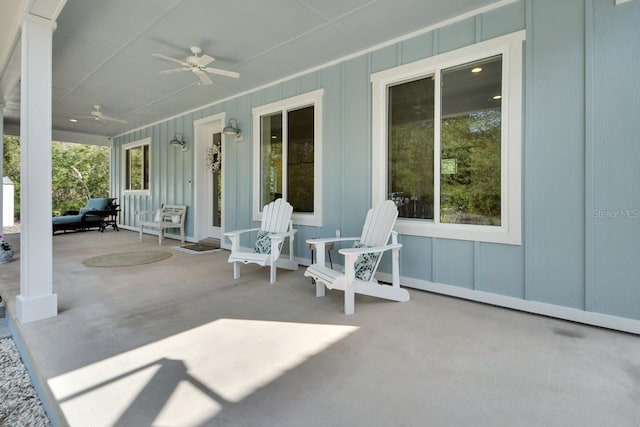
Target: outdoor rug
(197, 248)
(125, 259)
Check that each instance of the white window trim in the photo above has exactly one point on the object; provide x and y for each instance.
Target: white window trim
(125, 147)
(510, 47)
(311, 98)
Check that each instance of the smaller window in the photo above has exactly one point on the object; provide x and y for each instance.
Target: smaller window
(136, 166)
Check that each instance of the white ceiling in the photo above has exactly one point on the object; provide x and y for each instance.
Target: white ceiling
(102, 50)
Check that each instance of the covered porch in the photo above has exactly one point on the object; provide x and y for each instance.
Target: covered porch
(179, 342)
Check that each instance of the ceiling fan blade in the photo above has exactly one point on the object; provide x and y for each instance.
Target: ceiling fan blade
(111, 119)
(222, 72)
(157, 55)
(204, 60)
(175, 70)
(101, 117)
(204, 79)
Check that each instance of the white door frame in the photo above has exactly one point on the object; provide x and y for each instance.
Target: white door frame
(201, 131)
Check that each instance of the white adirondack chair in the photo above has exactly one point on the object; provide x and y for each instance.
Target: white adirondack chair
(276, 226)
(375, 237)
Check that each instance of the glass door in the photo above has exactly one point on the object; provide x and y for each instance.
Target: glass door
(215, 186)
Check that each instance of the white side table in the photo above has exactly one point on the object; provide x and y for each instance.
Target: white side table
(328, 246)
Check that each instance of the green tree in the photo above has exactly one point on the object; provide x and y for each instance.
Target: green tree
(79, 172)
(12, 167)
(472, 193)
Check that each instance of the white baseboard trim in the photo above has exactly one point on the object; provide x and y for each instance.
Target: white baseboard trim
(565, 313)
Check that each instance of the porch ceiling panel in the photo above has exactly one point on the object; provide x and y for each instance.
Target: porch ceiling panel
(67, 69)
(102, 50)
(133, 81)
(332, 9)
(230, 31)
(414, 15)
(335, 44)
(112, 22)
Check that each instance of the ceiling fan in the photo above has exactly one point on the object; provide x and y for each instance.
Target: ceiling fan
(99, 116)
(197, 64)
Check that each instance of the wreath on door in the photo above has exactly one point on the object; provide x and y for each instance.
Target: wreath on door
(214, 158)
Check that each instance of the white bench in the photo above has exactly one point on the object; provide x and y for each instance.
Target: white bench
(169, 216)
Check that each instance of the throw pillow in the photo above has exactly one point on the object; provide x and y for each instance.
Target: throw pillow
(263, 243)
(365, 263)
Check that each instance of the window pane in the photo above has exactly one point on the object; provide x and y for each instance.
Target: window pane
(135, 156)
(410, 168)
(145, 168)
(470, 143)
(127, 161)
(216, 221)
(300, 159)
(271, 157)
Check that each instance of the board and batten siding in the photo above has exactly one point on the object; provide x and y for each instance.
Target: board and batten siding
(580, 199)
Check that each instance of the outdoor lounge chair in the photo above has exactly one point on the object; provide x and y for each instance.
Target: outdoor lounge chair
(168, 216)
(91, 216)
(276, 226)
(362, 260)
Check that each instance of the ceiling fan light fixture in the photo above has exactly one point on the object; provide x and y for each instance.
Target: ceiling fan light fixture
(230, 129)
(198, 64)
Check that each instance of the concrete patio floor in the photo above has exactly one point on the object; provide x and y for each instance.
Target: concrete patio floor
(180, 343)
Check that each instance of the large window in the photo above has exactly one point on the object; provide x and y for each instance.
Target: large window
(136, 166)
(287, 153)
(447, 140)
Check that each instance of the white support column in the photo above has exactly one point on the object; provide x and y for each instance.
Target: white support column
(36, 300)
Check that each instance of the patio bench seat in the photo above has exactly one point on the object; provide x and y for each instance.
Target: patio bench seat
(167, 217)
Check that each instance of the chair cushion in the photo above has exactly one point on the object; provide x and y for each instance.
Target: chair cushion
(263, 243)
(365, 263)
(66, 219)
(97, 204)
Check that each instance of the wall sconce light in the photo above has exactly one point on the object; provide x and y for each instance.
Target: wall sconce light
(230, 129)
(178, 141)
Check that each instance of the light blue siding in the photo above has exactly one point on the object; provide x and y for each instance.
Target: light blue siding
(356, 145)
(309, 82)
(415, 261)
(554, 154)
(384, 58)
(455, 264)
(499, 269)
(580, 154)
(332, 157)
(457, 35)
(613, 146)
(417, 48)
(502, 21)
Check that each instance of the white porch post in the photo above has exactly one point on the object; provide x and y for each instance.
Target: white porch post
(36, 300)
